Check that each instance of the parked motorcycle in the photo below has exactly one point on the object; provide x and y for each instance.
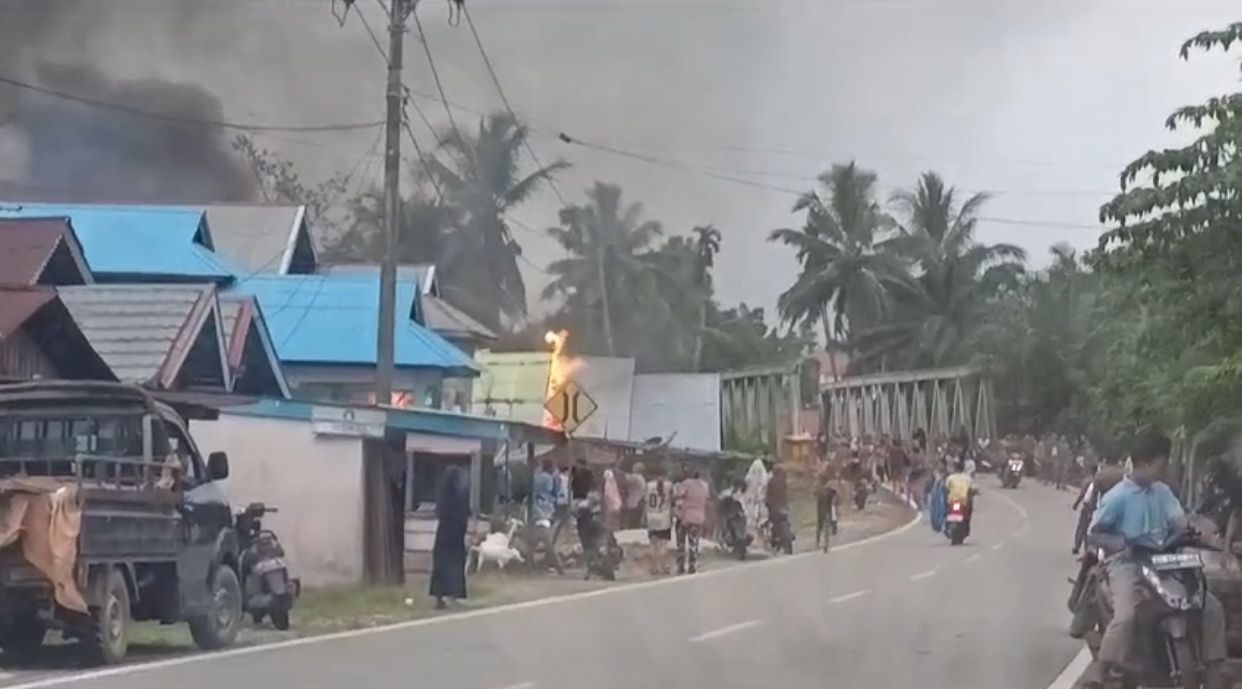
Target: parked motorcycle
(267, 589)
(733, 531)
(780, 533)
(1011, 472)
(1167, 641)
(600, 549)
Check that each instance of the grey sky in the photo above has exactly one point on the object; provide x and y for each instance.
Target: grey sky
(1042, 101)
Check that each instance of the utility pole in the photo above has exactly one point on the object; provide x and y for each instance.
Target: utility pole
(394, 95)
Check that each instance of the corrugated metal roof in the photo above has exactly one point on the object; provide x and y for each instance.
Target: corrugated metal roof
(133, 327)
(448, 320)
(257, 238)
(233, 305)
(137, 240)
(332, 319)
(26, 247)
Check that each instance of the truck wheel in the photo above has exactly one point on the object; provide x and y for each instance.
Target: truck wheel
(107, 638)
(218, 628)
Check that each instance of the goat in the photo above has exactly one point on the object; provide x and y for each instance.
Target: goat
(496, 547)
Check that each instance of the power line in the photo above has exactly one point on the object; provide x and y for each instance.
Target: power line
(435, 74)
(686, 167)
(222, 124)
(508, 107)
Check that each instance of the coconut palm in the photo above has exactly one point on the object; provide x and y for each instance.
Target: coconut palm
(606, 269)
(847, 270)
(480, 175)
(939, 306)
(707, 245)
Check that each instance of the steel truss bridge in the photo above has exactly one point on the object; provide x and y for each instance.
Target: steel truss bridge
(942, 402)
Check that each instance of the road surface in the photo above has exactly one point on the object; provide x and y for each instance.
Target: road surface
(903, 610)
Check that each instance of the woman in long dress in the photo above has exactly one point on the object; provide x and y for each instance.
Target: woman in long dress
(754, 500)
(448, 555)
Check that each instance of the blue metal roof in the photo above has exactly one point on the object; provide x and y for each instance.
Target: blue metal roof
(331, 319)
(137, 241)
(432, 421)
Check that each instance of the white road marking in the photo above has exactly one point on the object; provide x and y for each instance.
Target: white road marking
(731, 629)
(1069, 676)
(998, 546)
(973, 558)
(520, 685)
(923, 575)
(848, 596)
(445, 619)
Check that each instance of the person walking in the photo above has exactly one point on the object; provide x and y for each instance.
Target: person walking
(635, 495)
(543, 511)
(690, 507)
(562, 511)
(753, 502)
(612, 502)
(448, 554)
(658, 508)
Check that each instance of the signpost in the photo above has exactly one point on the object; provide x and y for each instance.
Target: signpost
(571, 406)
(359, 423)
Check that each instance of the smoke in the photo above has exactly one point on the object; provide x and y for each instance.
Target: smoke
(55, 148)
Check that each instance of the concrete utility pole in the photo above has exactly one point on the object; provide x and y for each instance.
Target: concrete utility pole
(385, 367)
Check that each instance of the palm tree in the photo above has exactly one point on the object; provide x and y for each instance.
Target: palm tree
(940, 305)
(480, 175)
(707, 245)
(846, 267)
(606, 242)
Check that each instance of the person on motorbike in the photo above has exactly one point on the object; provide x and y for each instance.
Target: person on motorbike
(1142, 511)
(1107, 475)
(960, 487)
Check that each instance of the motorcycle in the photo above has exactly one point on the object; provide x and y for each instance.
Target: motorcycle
(1011, 472)
(267, 588)
(780, 533)
(1167, 641)
(733, 527)
(600, 549)
(957, 521)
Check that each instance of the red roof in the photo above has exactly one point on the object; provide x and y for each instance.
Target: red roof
(17, 305)
(28, 247)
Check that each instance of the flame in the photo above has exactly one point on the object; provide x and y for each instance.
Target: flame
(559, 368)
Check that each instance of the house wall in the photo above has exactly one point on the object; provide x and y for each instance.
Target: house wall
(354, 384)
(314, 480)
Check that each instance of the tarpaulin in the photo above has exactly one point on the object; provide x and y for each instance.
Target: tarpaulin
(44, 513)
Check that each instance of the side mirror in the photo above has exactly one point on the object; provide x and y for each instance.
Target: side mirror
(217, 466)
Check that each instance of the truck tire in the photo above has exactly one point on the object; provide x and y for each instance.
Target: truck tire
(107, 636)
(218, 628)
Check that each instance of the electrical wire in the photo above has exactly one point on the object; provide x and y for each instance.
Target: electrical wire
(222, 124)
(505, 99)
(435, 74)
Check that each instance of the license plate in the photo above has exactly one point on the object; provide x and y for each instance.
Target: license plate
(269, 565)
(955, 518)
(1165, 561)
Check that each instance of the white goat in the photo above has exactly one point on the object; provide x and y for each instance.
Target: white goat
(497, 547)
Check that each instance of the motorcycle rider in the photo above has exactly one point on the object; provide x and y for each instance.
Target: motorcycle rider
(960, 487)
(1143, 510)
(1107, 475)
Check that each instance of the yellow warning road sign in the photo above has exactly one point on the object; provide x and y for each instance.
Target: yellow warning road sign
(571, 406)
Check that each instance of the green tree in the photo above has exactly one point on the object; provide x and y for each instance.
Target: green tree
(606, 266)
(480, 175)
(1170, 265)
(937, 308)
(706, 246)
(846, 270)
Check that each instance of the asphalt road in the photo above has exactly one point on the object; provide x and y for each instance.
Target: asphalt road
(903, 610)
